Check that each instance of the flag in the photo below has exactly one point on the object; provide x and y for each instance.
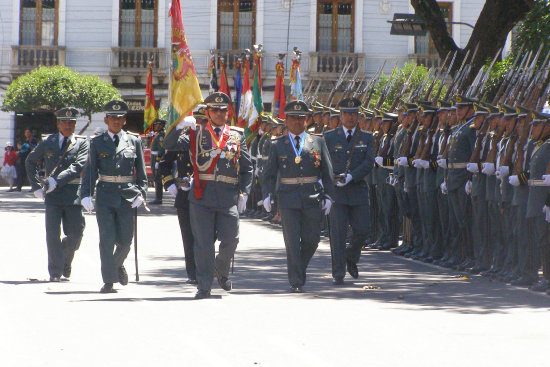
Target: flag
(151, 112)
(245, 106)
(279, 98)
(224, 87)
(295, 81)
(238, 89)
(185, 93)
(257, 104)
(213, 75)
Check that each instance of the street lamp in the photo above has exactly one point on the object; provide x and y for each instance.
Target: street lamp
(412, 25)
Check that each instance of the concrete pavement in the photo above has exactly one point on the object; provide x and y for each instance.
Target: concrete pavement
(398, 313)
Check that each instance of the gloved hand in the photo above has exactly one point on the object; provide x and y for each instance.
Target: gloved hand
(443, 187)
(546, 179)
(472, 167)
(137, 201)
(52, 184)
(402, 161)
(256, 171)
(347, 181)
(183, 188)
(468, 187)
(504, 172)
(514, 180)
(87, 204)
(39, 194)
(189, 122)
(415, 163)
(327, 204)
(241, 203)
(157, 165)
(267, 203)
(488, 168)
(173, 189)
(442, 163)
(379, 161)
(546, 211)
(421, 163)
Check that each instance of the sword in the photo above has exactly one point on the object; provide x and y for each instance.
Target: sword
(136, 244)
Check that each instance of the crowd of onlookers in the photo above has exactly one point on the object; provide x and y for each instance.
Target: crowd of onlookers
(13, 167)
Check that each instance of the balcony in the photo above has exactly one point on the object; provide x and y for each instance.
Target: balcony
(129, 65)
(26, 58)
(426, 60)
(329, 66)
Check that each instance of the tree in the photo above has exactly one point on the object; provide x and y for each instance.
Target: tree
(496, 20)
(55, 87)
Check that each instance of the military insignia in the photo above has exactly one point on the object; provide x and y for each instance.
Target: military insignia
(458, 99)
(116, 107)
(222, 156)
(297, 107)
(68, 113)
(49, 154)
(350, 103)
(219, 100)
(338, 147)
(298, 160)
(317, 163)
(104, 154)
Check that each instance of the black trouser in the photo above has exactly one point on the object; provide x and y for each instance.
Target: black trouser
(188, 242)
(21, 172)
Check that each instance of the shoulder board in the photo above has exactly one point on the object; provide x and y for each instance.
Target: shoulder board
(236, 128)
(81, 137)
(312, 134)
(277, 137)
(46, 136)
(366, 131)
(133, 134)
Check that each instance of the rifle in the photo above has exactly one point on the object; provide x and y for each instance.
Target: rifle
(520, 145)
(338, 83)
(426, 152)
(537, 86)
(389, 85)
(371, 86)
(496, 136)
(482, 132)
(543, 98)
(517, 77)
(414, 95)
(436, 78)
(389, 137)
(442, 83)
(457, 75)
(527, 77)
(350, 86)
(507, 79)
(405, 150)
(403, 90)
(361, 82)
(467, 71)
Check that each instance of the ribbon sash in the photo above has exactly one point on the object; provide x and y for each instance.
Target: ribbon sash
(302, 141)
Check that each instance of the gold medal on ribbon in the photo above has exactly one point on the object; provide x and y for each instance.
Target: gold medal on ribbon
(297, 160)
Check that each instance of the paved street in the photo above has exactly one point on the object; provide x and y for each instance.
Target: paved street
(398, 313)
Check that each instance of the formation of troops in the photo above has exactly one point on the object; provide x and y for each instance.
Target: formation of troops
(460, 181)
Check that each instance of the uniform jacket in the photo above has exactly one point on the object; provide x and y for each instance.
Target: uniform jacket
(410, 171)
(537, 167)
(479, 180)
(105, 158)
(521, 192)
(157, 147)
(184, 169)
(66, 174)
(461, 145)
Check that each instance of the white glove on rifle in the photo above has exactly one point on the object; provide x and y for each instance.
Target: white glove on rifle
(137, 201)
(468, 187)
(416, 163)
(347, 181)
(189, 122)
(443, 187)
(514, 180)
(546, 179)
(173, 189)
(241, 203)
(157, 165)
(327, 204)
(504, 172)
(183, 188)
(267, 203)
(472, 167)
(546, 211)
(87, 204)
(379, 161)
(442, 163)
(488, 168)
(52, 184)
(39, 194)
(423, 163)
(402, 161)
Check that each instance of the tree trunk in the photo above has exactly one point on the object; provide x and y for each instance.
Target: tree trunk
(87, 124)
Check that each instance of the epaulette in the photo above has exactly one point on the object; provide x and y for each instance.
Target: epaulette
(236, 128)
(313, 134)
(366, 131)
(277, 137)
(81, 136)
(45, 136)
(133, 134)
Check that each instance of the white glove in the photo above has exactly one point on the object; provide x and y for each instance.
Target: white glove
(402, 161)
(183, 188)
(241, 203)
(546, 211)
(468, 187)
(189, 122)
(442, 163)
(513, 180)
(267, 203)
(472, 167)
(416, 163)
(157, 165)
(173, 189)
(87, 204)
(423, 163)
(347, 181)
(379, 161)
(39, 194)
(488, 168)
(546, 179)
(137, 201)
(52, 184)
(327, 204)
(256, 171)
(443, 187)
(504, 171)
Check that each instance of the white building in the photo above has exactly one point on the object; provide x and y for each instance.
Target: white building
(114, 39)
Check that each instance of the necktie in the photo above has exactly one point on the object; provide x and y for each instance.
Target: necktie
(64, 144)
(297, 138)
(217, 131)
(116, 139)
(348, 138)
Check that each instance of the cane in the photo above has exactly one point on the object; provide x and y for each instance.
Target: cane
(330, 242)
(136, 244)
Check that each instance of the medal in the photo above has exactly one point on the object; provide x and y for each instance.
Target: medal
(213, 154)
(297, 160)
(222, 156)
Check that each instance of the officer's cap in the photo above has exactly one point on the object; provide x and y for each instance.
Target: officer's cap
(539, 117)
(508, 111)
(67, 114)
(9, 144)
(217, 100)
(463, 101)
(522, 111)
(410, 108)
(334, 113)
(368, 113)
(317, 110)
(387, 116)
(115, 108)
(350, 105)
(480, 110)
(426, 107)
(296, 108)
(493, 110)
(199, 111)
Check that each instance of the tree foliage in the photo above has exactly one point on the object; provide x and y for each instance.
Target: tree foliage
(534, 30)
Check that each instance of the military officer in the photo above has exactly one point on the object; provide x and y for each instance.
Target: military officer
(299, 171)
(352, 154)
(221, 184)
(116, 159)
(63, 154)
(157, 151)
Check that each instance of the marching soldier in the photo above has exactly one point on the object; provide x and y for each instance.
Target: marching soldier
(352, 155)
(157, 151)
(221, 185)
(64, 154)
(299, 171)
(116, 159)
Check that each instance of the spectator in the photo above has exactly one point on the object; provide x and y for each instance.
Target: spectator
(28, 145)
(8, 169)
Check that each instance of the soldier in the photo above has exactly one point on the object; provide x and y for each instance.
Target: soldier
(63, 154)
(157, 151)
(299, 167)
(221, 185)
(352, 154)
(116, 158)
(255, 211)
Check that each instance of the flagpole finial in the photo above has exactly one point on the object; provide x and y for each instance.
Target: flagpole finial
(297, 53)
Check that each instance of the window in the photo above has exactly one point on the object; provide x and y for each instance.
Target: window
(138, 23)
(236, 24)
(335, 26)
(38, 22)
(423, 45)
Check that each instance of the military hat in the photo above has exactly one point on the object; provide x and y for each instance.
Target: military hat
(350, 105)
(508, 111)
(159, 122)
(296, 108)
(520, 110)
(326, 111)
(426, 107)
(493, 110)
(410, 107)
(480, 110)
(368, 113)
(67, 114)
(217, 100)
(199, 111)
(387, 116)
(539, 117)
(317, 110)
(462, 101)
(334, 113)
(115, 108)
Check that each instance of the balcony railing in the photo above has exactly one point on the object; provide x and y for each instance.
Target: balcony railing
(426, 60)
(330, 65)
(26, 58)
(132, 60)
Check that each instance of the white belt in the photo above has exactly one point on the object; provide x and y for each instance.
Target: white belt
(298, 180)
(457, 165)
(219, 178)
(536, 183)
(116, 179)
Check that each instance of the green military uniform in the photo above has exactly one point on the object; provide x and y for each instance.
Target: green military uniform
(122, 178)
(157, 152)
(63, 162)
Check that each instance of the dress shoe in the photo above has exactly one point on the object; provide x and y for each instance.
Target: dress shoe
(11, 190)
(67, 270)
(428, 260)
(296, 289)
(338, 281)
(191, 281)
(476, 270)
(122, 276)
(107, 288)
(156, 202)
(224, 283)
(201, 294)
(55, 279)
(523, 282)
(268, 217)
(541, 286)
(352, 269)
